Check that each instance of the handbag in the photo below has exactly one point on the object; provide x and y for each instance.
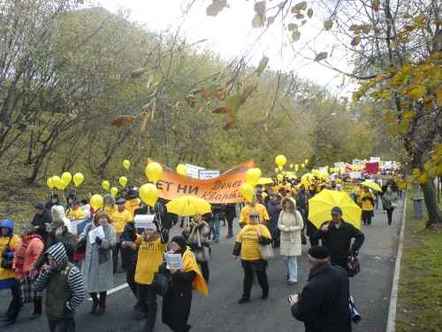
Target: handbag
(161, 281)
(353, 266)
(7, 257)
(266, 251)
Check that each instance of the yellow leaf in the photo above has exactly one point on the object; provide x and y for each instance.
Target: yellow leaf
(439, 97)
(417, 92)
(328, 24)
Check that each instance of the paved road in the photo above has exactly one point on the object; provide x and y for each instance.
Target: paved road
(220, 312)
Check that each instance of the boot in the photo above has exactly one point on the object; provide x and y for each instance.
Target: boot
(37, 307)
(94, 304)
(102, 304)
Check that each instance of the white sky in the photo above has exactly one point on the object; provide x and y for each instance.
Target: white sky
(230, 34)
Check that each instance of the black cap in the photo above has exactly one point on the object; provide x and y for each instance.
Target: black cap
(319, 252)
(39, 206)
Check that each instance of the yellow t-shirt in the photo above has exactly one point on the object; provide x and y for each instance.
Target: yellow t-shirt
(14, 244)
(109, 210)
(150, 257)
(76, 214)
(132, 204)
(248, 237)
(244, 217)
(120, 219)
(366, 204)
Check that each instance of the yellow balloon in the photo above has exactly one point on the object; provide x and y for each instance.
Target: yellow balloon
(149, 194)
(306, 161)
(78, 179)
(291, 166)
(296, 167)
(50, 183)
(58, 182)
(96, 202)
(105, 185)
(252, 176)
(66, 177)
(247, 191)
(280, 160)
(114, 191)
(280, 177)
(126, 164)
(153, 171)
(181, 169)
(302, 165)
(122, 181)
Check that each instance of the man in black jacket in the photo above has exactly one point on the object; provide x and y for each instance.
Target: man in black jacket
(41, 217)
(337, 235)
(323, 305)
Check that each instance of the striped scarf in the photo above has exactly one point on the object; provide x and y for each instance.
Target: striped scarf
(21, 252)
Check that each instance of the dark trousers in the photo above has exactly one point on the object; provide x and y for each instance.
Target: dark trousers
(16, 302)
(230, 227)
(115, 254)
(205, 270)
(100, 301)
(366, 217)
(390, 215)
(148, 302)
(250, 268)
(62, 325)
(130, 278)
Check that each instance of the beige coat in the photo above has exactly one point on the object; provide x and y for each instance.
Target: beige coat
(290, 225)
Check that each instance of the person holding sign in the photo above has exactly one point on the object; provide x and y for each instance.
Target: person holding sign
(247, 245)
(97, 267)
(151, 247)
(178, 299)
(120, 218)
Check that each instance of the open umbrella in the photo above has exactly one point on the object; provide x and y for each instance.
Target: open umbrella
(320, 207)
(372, 185)
(264, 181)
(188, 206)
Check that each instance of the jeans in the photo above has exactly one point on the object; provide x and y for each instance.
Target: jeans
(148, 301)
(250, 268)
(62, 325)
(292, 267)
(418, 208)
(215, 226)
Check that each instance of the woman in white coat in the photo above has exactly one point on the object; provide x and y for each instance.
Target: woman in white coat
(290, 223)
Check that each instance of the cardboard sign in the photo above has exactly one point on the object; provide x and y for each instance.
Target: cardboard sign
(224, 189)
(205, 174)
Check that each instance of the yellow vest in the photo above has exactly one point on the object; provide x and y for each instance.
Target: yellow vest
(248, 237)
(14, 244)
(244, 217)
(76, 214)
(132, 205)
(150, 257)
(120, 219)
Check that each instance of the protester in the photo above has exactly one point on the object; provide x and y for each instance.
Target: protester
(9, 243)
(76, 212)
(26, 256)
(290, 223)
(366, 201)
(178, 299)
(247, 246)
(42, 218)
(58, 232)
(323, 304)
(337, 235)
(274, 209)
(215, 221)
(120, 218)
(151, 247)
(389, 202)
(230, 211)
(133, 202)
(129, 258)
(109, 204)
(197, 234)
(98, 267)
(53, 200)
(59, 216)
(244, 218)
(65, 289)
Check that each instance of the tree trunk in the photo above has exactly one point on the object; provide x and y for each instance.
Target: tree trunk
(434, 213)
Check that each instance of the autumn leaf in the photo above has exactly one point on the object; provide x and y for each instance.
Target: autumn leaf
(137, 73)
(258, 21)
(299, 16)
(216, 7)
(221, 110)
(321, 56)
(417, 92)
(292, 26)
(375, 5)
(299, 6)
(366, 28)
(355, 41)
(123, 120)
(296, 35)
(439, 97)
(262, 65)
(328, 25)
(310, 13)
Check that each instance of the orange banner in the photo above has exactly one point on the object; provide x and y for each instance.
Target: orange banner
(223, 189)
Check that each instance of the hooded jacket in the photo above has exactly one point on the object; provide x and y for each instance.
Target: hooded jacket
(59, 217)
(64, 284)
(14, 242)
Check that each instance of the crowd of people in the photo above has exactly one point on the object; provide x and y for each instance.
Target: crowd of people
(71, 251)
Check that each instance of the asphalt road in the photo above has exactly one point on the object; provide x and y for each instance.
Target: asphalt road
(220, 311)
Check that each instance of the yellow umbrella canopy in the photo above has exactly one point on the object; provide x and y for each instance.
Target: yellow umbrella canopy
(320, 207)
(264, 181)
(188, 206)
(372, 185)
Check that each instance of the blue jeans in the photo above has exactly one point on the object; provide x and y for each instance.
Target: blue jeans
(215, 226)
(292, 267)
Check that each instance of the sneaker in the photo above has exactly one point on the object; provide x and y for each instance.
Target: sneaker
(243, 300)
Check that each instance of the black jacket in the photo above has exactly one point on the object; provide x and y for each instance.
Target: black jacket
(339, 241)
(39, 221)
(323, 305)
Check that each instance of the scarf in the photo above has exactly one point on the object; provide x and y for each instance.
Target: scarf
(20, 254)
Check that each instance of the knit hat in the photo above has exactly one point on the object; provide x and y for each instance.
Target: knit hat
(58, 253)
(318, 252)
(336, 210)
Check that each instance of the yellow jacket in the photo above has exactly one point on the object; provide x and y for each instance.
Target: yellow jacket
(365, 200)
(190, 264)
(248, 237)
(244, 217)
(77, 214)
(14, 244)
(120, 219)
(109, 210)
(132, 204)
(150, 257)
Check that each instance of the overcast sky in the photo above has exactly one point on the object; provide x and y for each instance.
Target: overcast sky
(230, 34)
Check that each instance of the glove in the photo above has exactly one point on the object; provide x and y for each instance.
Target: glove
(98, 241)
(67, 309)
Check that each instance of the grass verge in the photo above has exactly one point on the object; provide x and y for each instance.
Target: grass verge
(420, 286)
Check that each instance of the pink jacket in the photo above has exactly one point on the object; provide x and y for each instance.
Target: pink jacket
(30, 255)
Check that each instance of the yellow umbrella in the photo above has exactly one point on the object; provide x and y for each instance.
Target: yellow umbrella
(264, 181)
(372, 185)
(188, 206)
(320, 207)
